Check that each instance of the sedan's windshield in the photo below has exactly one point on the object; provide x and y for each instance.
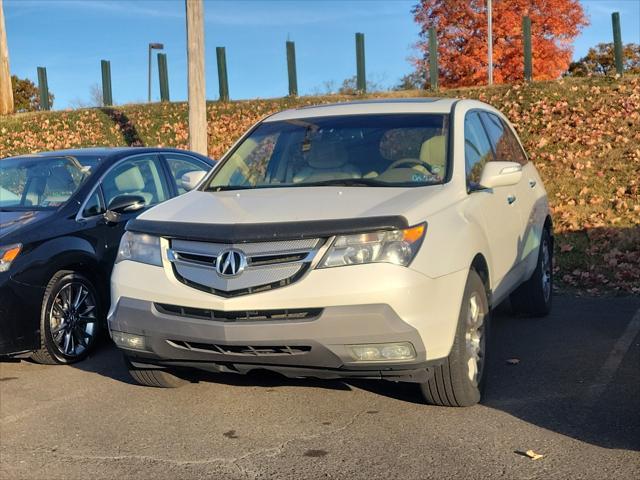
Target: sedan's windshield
(406, 150)
(36, 183)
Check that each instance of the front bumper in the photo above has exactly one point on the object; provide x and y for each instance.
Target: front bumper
(296, 348)
(19, 316)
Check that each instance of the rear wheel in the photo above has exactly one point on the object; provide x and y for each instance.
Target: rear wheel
(459, 381)
(152, 377)
(534, 297)
(70, 319)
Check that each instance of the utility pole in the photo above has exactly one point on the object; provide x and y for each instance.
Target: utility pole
(6, 91)
(196, 79)
(490, 41)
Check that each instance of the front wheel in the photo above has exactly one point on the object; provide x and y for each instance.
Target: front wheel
(459, 381)
(70, 319)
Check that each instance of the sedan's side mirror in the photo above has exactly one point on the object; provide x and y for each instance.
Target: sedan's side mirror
(123, 204)
(500, 174)
(190, 180)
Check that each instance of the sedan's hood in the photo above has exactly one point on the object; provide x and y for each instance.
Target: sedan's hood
(12, 221)
(299, 204)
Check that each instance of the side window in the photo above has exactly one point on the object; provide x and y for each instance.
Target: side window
(94, 205)
(504, 141)
(181, 164)
(139, 175)
(477, 149)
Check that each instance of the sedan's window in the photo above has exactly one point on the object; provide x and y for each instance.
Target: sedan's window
(405, 150)
(181, 164)
(36, 183)
(505, 144)
(140, 175)
(477, 149)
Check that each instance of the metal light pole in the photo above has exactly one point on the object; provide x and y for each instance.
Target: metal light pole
(490, 41)
(152, 46)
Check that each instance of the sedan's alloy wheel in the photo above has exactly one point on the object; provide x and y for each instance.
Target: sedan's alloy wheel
(72, 319)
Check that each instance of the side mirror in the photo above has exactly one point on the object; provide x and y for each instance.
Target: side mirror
(500, 174)
(190, 180)
(123, 204)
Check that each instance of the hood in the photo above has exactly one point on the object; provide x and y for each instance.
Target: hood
(10, 222)
(296, 204)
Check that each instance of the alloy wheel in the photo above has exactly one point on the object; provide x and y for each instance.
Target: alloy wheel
(72, 319)
(475, 339)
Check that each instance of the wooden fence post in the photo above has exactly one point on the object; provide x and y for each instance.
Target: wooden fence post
(223, 81)
(291, 69)
(361, 76)
(107, 98)
(163, 73)
(528, 62)
(433, 59)
(617, 43)
(43, 86)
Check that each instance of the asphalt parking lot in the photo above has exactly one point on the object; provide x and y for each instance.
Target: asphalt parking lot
(574, 397)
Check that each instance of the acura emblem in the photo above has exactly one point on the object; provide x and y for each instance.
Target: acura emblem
(230, 263)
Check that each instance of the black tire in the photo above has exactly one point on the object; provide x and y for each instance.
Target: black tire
(535, 296)
(452, 384)
(50, 351)
(152, 377)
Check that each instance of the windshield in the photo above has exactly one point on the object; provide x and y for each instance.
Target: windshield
(37, 183)
(406, 150)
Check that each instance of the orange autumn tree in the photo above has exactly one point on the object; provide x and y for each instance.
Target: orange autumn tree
(461, 27)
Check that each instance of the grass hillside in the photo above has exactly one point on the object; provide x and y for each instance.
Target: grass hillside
(582, 134)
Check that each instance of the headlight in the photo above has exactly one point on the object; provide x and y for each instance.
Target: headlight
(385, 246)
(8, 255)
(140, 247)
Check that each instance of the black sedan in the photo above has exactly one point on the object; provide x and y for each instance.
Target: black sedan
(61, 218)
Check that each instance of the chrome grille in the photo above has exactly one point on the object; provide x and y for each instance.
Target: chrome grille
(268, 264)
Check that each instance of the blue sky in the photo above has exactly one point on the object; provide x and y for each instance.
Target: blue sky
(70, 37)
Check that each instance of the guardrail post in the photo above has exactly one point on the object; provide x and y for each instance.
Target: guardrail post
(291, 69)
(43, 86)
(617, 42)
(526, 40)
(361, 75)
(223, 81)
(107, 98)
(433, 59)
(164, 77)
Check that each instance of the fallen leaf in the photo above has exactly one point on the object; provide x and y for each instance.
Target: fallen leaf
(533, 455)
(513, 361)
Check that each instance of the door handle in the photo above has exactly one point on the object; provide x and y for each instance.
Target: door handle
(511, 199)
(532, 183)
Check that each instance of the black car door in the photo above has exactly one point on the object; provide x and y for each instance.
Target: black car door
(140, 175)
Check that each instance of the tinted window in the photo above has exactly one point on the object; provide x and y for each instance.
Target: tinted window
(505, 144)
(477, 149)
(140, 175)
(362, 150)
(93, 206)
(181, 164)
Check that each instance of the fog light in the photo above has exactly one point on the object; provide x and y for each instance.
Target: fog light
(128, 340)
(383, 352)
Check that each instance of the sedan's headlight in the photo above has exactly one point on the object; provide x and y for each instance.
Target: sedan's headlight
(140, 247)
(8, 254)
(385, 246)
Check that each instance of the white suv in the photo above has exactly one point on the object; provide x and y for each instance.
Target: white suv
(357, 240)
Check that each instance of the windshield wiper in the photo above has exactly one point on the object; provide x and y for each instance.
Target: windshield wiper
(344, 182)
(226, 188)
